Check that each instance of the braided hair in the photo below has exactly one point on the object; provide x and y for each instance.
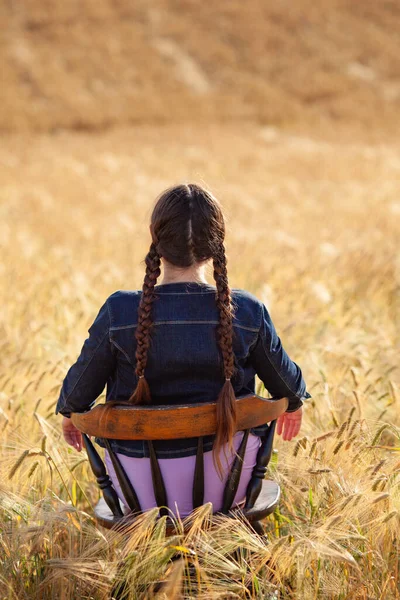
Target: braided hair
(187, 227)
(142, 395)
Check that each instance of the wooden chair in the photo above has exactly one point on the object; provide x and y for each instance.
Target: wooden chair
(172, 422)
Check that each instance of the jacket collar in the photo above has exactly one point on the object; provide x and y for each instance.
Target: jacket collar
(185, 287)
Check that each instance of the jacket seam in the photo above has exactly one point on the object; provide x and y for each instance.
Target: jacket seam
(269, 360)
(109, 317)
(133, 325)
(277, 371)
(257, 331)
(251, 347)
(184, 293)
(260, 316)
(85, 368)
(121, 350)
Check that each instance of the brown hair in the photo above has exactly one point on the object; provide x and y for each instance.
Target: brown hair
(187, 226)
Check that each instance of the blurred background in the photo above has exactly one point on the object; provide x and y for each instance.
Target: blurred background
(95, 65)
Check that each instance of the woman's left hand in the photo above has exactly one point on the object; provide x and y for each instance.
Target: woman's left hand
(71, 434)
(289, 424)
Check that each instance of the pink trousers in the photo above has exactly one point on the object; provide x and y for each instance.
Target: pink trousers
(178, 477)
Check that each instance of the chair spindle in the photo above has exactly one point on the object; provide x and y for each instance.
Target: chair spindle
(103, 480)
(126, 486)
(198, 480)
(259, 471)
(158, 482)
(232, 484)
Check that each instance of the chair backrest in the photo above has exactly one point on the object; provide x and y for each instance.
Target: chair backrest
(173, 422)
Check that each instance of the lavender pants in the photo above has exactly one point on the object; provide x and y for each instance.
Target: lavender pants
(178, 477)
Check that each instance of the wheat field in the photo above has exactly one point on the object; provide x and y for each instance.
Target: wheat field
(313, 231)
(297, 139)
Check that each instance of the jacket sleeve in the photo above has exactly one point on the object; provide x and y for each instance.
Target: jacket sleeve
(87, 377)
(281, 376)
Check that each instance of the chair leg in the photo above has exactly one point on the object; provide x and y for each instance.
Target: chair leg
(258, 527)
(119, 589)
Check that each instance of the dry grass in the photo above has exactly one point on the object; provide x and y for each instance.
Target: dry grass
(313, 231)
(96, 64)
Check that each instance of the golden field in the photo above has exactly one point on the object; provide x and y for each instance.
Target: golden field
(312, 198)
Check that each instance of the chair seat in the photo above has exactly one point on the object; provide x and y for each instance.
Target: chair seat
(105, 518)
(265, 505)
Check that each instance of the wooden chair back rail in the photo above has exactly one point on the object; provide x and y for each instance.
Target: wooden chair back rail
(172, 422)
(253, 411)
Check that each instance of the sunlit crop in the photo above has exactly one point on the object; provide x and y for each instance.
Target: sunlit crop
(313, 232)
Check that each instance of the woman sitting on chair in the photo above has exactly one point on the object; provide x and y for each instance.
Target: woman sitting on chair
(179, 342)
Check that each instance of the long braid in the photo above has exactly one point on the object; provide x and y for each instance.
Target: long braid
(142, 395)
(226, 403)
(224, 305)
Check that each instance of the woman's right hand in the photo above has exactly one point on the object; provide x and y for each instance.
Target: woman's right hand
(71, 434)
(289, 424)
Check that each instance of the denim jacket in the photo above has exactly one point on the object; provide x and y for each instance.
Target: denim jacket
(184, 362)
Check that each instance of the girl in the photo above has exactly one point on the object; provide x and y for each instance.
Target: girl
(183, 341)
